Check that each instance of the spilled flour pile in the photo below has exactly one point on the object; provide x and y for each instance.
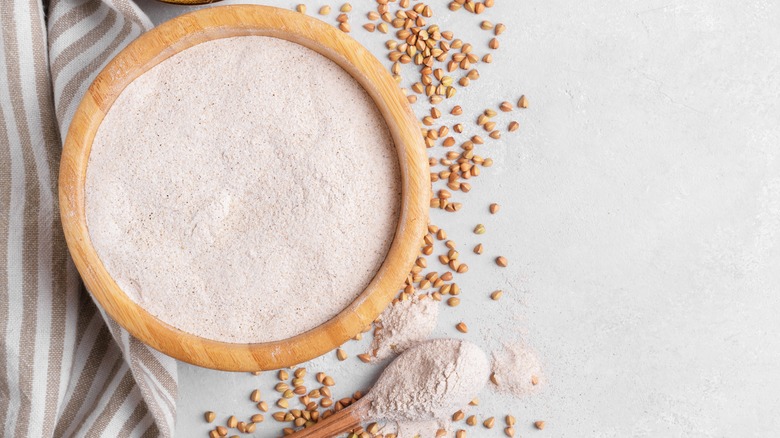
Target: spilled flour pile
(516, 369)
(403, 325)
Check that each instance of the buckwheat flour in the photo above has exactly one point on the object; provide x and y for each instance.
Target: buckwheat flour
(429, 382)
(244, 190)
(404, 324)
(517, 369)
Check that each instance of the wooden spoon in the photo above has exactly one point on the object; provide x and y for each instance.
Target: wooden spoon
(426, 382)
(338, 423)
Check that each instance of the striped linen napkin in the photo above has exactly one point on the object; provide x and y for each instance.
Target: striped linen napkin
(66, 369)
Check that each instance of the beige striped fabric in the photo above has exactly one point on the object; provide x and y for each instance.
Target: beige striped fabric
(66, 370)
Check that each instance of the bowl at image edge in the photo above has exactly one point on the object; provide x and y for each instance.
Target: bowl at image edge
(175, 36)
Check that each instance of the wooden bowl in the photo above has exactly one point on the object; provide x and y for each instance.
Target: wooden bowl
(222, 22)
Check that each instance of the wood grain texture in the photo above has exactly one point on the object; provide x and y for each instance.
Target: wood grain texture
(222, 22)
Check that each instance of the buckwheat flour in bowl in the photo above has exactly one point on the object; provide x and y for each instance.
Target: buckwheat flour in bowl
(244, 190)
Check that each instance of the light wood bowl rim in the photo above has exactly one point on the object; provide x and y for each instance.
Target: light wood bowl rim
(221, 22)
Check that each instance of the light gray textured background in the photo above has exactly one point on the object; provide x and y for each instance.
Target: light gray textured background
(641, 217)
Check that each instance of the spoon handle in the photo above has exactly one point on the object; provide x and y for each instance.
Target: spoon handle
(338, 423)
